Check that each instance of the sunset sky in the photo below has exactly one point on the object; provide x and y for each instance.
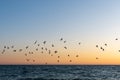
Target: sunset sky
(91, 22)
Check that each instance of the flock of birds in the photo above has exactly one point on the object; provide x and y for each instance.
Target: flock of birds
(103, 49)
(44, 49)
(41, 49)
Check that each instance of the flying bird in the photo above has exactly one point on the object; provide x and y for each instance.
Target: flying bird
(77, 55)
(70, 60)
(103, 49)
(27, 47)
(46, 49)
(55, 51)
(25, 54)
(42, 48)
(27, 60)
(33, 60)
(20, 50)
(4, 46)
(7, 47)
(37, 49)
(116, 39)
(41, 51)
(12, 46)
(68, 55)
(61, 39)
(35, 42)
(96, 45)
(14, 50)
(119, 50)
(65, 47)
(64, 41)
(97, 58)
(46, 63)
(30, 52)
(105, 44)
(52, 45)
(58, 56)
(3, 51)
(58, 61)
(49, 51)
(38, 44)
(44, 42)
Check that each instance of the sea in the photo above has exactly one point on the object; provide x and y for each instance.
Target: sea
(59, 72)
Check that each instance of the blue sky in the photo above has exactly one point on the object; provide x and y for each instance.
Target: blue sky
(83, 20)
(29, 18)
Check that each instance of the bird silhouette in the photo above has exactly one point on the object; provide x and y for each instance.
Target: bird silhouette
(61, 39)
(119, 50)
(49, 51)
(25, 54)
(3, 51)
(97, 58)
(4, 46)
(105, 44)
(42, 48)
(46, 49)
(96, 45)
(36, 49)
(52, 45)
(20, 50)
(116, 39)
(103, 49)
(65, 41)
(41, 51)
(68, 55)
(65, 47)
(38, 44)
(77, 55)
(55, 51)
(7, 47)
(27, 47)
(27, 60)
(58, 61)
(30, 52)
(12, 46)
(58, 56)
(70, 61)
(35, 42)
(14, 50)
(33, 60)
(44, 42)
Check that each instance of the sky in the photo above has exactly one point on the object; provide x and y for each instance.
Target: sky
(91, 22)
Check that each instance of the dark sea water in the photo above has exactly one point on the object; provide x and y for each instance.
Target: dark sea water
(53, 72)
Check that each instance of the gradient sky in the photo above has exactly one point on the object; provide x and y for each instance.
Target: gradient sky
(90, 22)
